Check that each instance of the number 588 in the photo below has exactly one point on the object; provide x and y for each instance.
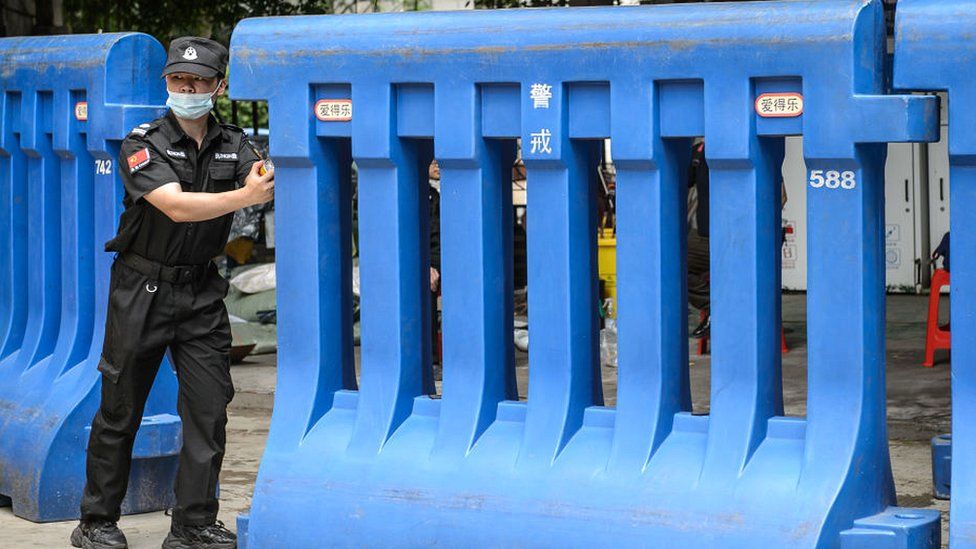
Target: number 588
(833, 179)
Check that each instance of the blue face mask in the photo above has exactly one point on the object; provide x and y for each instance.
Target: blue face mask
(191, 105)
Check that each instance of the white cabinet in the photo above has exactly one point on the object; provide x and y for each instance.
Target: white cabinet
(906, 218)
(795, 216)
(938, 189)
(939, 181)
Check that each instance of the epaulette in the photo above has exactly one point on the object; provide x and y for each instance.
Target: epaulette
(142, 129)
(247, 139)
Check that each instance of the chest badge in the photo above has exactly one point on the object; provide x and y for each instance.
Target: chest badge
(175, 154)
(232, 156)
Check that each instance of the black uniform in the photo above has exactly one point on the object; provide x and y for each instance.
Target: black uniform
(165, 293)
(699, 287)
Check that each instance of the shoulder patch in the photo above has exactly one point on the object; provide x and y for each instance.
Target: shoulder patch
(142, 129)
(138, 159)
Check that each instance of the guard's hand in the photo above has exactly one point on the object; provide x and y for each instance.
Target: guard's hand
(435, 280)
(259, 188)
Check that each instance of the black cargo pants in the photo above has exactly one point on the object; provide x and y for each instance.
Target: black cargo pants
(699, 283)
(147, 315)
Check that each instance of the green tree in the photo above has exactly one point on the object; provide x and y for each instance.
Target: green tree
(168, 19)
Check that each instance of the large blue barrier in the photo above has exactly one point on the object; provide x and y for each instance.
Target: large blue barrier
(66, 102)
(934, 51)
(388, 466)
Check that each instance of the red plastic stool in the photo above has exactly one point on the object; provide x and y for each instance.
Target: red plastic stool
(936, 337)
(704, 343)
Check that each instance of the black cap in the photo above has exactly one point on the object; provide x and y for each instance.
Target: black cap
(195, 55)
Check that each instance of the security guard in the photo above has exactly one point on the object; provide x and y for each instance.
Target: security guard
(184, 177)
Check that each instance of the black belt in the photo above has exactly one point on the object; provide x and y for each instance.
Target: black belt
(157, 272)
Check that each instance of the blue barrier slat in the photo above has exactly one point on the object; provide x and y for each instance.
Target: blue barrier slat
(6, 298)
(962, 197)
(562, 470)
(61, 200)
(77, 200)
(476, 246)
(746, 376)
(744, 196)
(564, 378)
(941, 466)
(14, 228)
(561, 254)
(933, 52)
(653, 378)
(846, 383)
(43, 238)
(393, 247)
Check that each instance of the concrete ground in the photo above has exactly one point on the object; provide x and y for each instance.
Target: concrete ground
(918, 408)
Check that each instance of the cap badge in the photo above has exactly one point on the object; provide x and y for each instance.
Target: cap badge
(190, 54)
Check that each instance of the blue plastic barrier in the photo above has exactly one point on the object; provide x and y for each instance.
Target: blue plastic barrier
(941, 465)
(66, 102)
(934, 51)
(387, 466)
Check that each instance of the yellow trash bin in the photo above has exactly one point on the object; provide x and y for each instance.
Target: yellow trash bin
(607, 267)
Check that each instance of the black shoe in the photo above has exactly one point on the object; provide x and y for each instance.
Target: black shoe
(100, 534)
(703, 328)
(212, 536)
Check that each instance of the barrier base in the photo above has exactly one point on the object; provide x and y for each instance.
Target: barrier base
(895, 528)
(56, 494)
(242, 521)
(941, 465)
(379, 501)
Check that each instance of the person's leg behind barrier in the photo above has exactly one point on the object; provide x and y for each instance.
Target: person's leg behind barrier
(433, 371)
(699, 280)
(698, 265)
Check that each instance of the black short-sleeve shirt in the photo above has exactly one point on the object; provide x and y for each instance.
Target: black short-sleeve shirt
(159, 153)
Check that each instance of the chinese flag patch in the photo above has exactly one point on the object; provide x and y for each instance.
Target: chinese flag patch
(138, 159)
